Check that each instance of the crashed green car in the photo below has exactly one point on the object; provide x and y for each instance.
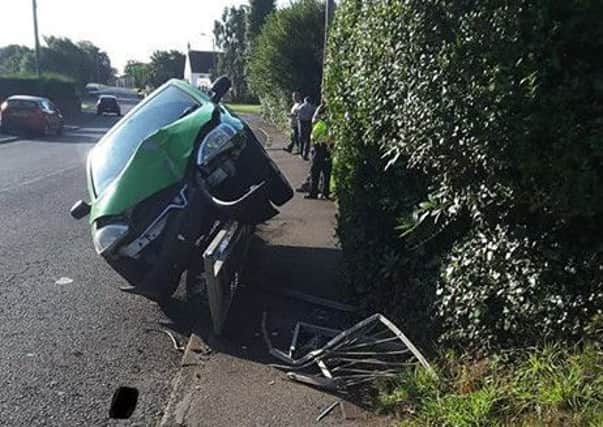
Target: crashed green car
(164, 175)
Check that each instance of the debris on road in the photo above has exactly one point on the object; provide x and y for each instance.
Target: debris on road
(328, 410)
(64, 281)
(336, 360)
(319, 330)
(169, 334)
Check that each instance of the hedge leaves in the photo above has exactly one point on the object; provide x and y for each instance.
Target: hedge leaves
(470, 163)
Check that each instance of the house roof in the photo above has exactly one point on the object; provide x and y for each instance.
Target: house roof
(201, 62)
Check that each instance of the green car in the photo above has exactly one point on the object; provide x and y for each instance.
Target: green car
(165, 174)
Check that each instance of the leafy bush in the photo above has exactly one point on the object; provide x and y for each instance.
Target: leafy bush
(470, 163)
(287, 56)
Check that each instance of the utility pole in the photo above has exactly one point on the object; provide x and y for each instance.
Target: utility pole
(35, 22)
(97, 66)
(213, 48)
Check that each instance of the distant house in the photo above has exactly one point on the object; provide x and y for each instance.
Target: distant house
(124, 81)
(198, 66)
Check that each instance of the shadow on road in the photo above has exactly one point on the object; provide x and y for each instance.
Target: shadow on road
(269, 270)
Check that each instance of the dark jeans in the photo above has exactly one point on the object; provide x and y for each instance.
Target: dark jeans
(305, 128)
(294, 139)
(321, 165)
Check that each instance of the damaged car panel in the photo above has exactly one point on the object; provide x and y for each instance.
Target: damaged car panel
(158, 162)
(165, 174)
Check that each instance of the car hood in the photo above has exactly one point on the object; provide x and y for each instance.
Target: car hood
(159, 162)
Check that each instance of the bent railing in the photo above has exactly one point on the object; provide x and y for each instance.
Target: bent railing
(224, 258)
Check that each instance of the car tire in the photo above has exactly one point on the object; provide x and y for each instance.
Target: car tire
(60, 130)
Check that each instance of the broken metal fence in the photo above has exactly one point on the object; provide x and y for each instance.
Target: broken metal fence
(336, 360)
(223, 259)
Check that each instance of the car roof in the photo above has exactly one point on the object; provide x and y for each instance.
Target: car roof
(107, 97)
(26, 98)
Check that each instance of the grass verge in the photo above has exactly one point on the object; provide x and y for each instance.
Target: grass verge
(550, 386)
(245, 108)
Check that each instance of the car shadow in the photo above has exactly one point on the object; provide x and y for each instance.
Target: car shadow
(270, 270)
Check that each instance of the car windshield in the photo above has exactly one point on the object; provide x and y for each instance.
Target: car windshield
(19, 104)
(46, 106)
(111, 155)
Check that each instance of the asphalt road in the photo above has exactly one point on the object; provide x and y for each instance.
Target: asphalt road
(66, 345)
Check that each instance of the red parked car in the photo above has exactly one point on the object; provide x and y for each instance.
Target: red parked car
(30, 114)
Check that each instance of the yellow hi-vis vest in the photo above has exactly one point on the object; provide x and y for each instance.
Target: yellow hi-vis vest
(320, 133)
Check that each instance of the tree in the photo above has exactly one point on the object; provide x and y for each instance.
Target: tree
(63, 56)
(98, 63)
(11, 58)
(258, 12)
(165, 65)
(287, 56)
(231, 39)
(83, 61)
(139, 71)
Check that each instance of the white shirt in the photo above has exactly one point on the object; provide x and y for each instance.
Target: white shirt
(293, 115)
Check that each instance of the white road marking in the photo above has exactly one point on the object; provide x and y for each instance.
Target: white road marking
(39, 178)
(268, 141)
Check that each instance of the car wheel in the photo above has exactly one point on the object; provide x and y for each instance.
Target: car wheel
(60, 130)
(46, 130)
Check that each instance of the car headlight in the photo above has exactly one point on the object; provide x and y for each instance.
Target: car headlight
(214, 142)
(105, 238)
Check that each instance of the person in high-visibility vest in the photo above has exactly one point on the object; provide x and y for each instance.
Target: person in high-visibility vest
(321, 155)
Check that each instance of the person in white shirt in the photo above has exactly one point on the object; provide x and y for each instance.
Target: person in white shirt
(304, 118)
(293, 121)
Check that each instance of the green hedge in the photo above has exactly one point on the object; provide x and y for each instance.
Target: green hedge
(60, 90)
(470, 164)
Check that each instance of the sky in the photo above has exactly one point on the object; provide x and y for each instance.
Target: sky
(125, 29)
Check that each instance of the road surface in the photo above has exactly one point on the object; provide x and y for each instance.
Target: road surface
(68, 336)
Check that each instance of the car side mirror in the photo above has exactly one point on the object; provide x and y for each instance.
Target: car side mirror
(80, 209)
(219, 88)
